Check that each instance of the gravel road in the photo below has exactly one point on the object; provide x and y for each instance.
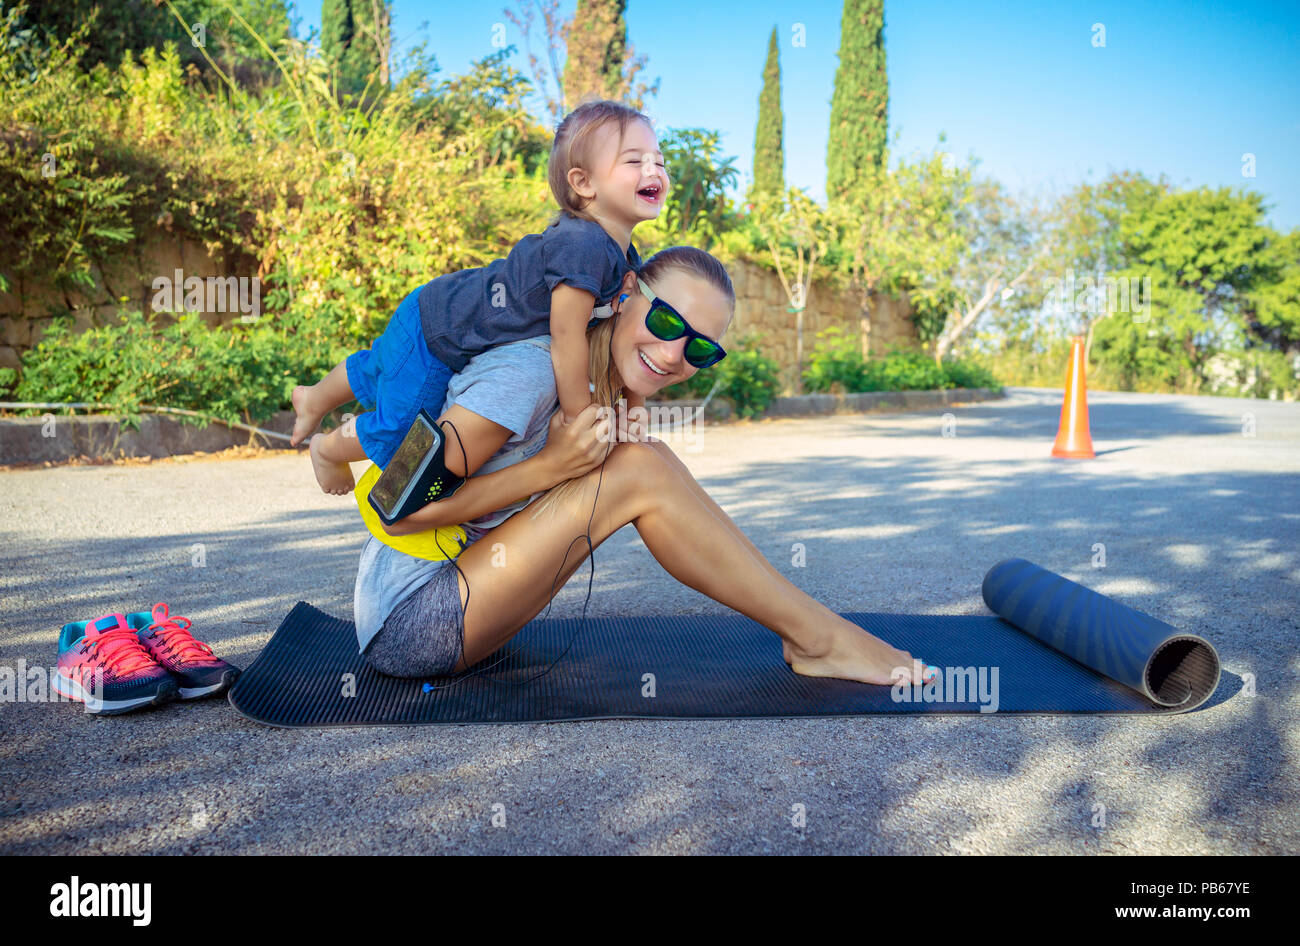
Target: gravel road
(1194, 499)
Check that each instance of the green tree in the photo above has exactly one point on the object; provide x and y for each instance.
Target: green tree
(1086, 222)
(769, 151)
(1207, 254)
(697, 210)
(859, 129)
(488, 101)
(1272, 308)
(1084, 237)
(601, 64)
(901, 236)
(236, 29)
(797, 233)
(129, 27)
(993, 249)
(356, 40)
(597, 44)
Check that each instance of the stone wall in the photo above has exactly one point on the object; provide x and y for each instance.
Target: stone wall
(26, 311)
(762, 306)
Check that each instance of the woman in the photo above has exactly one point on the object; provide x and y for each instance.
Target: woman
(412, 614)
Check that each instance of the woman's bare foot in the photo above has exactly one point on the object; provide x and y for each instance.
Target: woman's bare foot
(334, 478)
(854, 654)
(309, 415)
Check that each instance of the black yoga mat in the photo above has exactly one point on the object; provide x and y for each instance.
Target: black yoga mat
(1170, 668)
(728, 666)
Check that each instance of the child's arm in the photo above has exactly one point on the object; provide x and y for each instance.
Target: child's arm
(570, 313)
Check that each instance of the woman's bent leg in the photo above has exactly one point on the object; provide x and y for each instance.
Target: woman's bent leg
(642, 487)
(669, 454)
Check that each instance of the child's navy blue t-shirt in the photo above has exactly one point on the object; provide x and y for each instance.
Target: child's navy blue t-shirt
(465, 313)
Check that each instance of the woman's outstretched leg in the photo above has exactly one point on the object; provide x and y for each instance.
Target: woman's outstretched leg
(699, 545)
(726, 521)
(642, 487)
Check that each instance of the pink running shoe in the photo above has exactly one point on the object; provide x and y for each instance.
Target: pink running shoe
(197, 670)
(103, 664)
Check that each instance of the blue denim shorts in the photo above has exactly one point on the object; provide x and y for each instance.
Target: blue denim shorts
(393, 379)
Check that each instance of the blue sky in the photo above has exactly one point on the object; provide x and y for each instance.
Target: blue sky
(1184, 89)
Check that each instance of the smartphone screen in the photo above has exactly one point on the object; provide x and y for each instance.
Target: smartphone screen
(393, 484)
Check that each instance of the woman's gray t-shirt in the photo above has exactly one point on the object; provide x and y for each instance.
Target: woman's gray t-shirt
(512, 385)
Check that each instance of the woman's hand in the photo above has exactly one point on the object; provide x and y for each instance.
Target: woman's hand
(574, 449)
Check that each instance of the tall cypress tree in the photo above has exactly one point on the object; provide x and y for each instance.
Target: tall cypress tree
(335, 30)
(355, 40)
(597, 48)
(769, 151)
(860, 103)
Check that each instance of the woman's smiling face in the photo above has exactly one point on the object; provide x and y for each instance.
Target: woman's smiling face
(705, 308)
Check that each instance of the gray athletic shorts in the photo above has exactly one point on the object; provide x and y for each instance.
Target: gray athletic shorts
(424, 636)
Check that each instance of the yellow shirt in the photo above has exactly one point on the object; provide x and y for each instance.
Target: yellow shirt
(437, 544)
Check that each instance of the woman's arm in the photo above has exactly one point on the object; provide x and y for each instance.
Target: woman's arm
(480, 495)
(570, 450)
(481, 439)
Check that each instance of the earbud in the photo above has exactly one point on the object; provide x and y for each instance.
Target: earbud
(622, 297)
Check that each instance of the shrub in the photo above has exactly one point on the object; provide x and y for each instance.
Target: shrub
(240, 372)
(836, 365)
(340, 211)
(965, 373)
(904, 370)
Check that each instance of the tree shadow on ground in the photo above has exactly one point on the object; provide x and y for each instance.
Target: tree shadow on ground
(1208, 553)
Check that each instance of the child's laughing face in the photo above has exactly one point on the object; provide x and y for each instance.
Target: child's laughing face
(629, 180)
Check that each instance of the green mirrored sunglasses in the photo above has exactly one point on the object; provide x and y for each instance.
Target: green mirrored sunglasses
(667, 324)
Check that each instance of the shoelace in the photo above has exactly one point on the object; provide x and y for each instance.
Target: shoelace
(176, 636)
(120, 650)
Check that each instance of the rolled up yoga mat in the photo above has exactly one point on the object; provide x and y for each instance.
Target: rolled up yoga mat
(1162, 663)
(1056, 648)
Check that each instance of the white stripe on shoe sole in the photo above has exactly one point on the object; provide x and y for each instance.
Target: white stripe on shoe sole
(228, 678)
(93, 705)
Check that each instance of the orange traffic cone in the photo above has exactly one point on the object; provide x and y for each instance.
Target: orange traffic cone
(1072, 438)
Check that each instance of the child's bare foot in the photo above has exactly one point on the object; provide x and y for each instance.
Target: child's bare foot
(309, 416)
(334, 478)
(854, 654)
